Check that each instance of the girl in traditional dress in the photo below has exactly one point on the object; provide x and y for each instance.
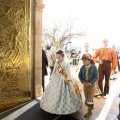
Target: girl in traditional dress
(60, 96)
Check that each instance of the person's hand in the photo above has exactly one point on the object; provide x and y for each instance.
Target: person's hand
(100, 62)
(67, 82)
(112, 72)
(86, 84)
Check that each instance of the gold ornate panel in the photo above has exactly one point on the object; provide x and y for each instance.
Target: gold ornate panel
(15, 83)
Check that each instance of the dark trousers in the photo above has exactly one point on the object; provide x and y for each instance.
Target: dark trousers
(43, 83)
(118, 65)
(104, 71)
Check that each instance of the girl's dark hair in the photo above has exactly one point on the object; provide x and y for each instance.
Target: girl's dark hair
(60, 52)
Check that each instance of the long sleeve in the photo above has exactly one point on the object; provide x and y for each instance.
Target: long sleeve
(48, 57)
(53, 57)
(114, 60)
(107, 54)
(68, 71)
(54, 70)
(95, 78)
(96, 55)
(44, 57)
(80, 76)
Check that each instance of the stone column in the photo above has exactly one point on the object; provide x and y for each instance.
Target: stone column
(38, 48)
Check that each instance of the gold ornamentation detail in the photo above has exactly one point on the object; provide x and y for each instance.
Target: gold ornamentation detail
(15, 84)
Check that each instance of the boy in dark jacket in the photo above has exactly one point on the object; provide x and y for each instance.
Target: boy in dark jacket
(88, 76)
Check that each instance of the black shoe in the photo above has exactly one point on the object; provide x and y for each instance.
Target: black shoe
(113, 78)
(86, 115)
(95, 95)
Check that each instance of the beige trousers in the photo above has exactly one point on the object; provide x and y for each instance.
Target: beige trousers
(89, 93)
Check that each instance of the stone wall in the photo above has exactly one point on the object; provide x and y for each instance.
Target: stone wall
(38, 48)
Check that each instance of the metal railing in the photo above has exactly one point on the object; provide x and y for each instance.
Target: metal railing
(74, 61)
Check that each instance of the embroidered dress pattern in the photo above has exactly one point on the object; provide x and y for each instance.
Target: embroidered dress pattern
(74, 82)
(60, 98)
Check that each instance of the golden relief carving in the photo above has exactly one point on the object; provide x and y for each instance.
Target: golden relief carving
(15, 84)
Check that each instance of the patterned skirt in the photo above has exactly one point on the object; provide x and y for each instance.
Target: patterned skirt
(60, 98)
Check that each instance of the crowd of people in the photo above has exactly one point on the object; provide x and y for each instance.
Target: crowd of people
(64, 94)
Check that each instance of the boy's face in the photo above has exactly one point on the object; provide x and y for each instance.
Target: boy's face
(86, 62)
